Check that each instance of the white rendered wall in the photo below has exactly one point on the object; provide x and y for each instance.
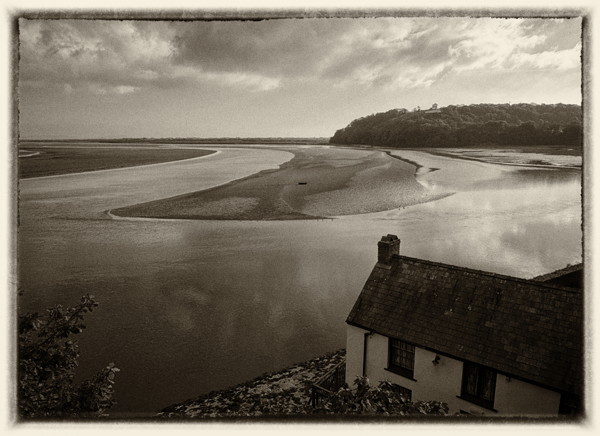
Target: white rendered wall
(354, 353)
(442, 382)
(514, 397)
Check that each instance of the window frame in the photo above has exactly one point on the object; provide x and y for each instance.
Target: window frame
(397, 367)
(570, 404)
(482, 373)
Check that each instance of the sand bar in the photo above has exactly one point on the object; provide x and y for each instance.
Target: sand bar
(91, 194)
(319, 182)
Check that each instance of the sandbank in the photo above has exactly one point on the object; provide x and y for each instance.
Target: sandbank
(318, 182)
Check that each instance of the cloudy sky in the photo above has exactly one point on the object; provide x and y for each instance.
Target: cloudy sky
(296, 77)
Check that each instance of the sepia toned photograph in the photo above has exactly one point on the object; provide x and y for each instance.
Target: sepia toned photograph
(316, 216)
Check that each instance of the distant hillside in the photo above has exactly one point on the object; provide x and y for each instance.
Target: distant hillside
(472, 125)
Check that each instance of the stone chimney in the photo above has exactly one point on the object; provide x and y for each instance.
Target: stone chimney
(387, 247)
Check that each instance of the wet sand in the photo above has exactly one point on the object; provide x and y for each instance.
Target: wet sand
(567, 157)
(58, 159)
(88, 195)
(318, 182)
(187, 295)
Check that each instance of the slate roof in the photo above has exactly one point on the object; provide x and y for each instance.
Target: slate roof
(522, 328)
(571, 276)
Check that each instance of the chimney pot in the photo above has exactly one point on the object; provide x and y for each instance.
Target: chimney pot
(387, 247)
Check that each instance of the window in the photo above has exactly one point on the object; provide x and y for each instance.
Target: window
(570, 404)
(478, 384)
(401, 357)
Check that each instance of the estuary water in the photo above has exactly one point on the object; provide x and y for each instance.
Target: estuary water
(190, 306)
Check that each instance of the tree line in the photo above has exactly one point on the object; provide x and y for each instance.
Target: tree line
(470, 125)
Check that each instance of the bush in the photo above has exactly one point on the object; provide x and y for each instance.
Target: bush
(383, 400)
(46, 367)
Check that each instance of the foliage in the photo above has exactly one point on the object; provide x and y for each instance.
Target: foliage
(46, 368)
(288, 394)
(280, 393)
(473, 125)
(382, 400)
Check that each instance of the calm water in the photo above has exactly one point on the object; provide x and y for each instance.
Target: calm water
(191, 306)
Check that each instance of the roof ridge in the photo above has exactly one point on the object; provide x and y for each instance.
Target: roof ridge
(520, 326)
(488, 273)
(559, 272)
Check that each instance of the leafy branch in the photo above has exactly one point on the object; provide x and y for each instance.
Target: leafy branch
(386, 399)
(47, 361)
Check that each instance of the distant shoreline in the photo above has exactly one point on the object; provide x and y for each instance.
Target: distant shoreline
(278, 141)
(224, 140)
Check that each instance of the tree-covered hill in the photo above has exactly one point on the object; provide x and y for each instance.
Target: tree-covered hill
(472, 125)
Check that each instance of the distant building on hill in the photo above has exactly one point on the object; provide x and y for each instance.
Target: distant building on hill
(433, 110)
(486, 344)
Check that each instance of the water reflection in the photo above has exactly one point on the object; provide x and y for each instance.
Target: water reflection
(523, 179)
(192, 306)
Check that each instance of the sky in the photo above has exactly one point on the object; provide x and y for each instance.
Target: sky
(279, 78)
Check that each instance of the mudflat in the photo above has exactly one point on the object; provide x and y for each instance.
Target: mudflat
(36, 160)
(550, 156)
(318, 182)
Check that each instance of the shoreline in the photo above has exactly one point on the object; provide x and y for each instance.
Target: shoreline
(417, 165)
(318, 183)
(167, 258)
(140, 209)
(66, 173)
(288, 193)
(514, 164)
(288, 392)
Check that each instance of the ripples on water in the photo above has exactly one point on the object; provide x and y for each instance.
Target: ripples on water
(191, 306)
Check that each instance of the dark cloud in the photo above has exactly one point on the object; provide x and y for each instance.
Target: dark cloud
(113, 56)
(92, 53)
(276, 47)
(558, 34)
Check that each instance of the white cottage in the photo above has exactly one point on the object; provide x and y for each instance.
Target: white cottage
(484, 343)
